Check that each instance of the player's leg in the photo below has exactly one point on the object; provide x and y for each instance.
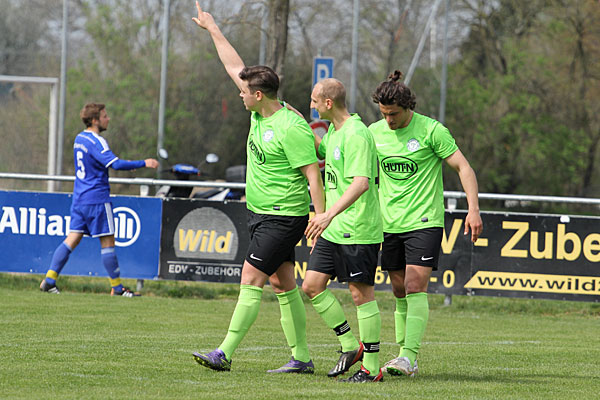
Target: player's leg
(244, 315)
(293, 319)
(361, 263)
(397, 281)
(320, 270)
(258, 266)
(111, 265)
(393, 261)
(422, 252)
(417, 312)
(281, 234)
(59, 259)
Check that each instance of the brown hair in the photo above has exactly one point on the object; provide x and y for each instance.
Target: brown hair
(89, 112)
(261, 77)
(395, 92)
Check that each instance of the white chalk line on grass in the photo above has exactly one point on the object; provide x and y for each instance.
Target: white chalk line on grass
(482, 343)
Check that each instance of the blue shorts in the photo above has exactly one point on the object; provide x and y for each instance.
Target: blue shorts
(94, 220)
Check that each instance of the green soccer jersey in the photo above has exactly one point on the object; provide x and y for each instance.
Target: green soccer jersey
(411, 189)
(277, 147)
(351, 152)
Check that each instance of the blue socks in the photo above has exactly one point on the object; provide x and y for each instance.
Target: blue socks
(59, 259)
(109, 259)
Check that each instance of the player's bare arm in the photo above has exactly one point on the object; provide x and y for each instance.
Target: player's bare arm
(469, 183)
(320, 222)
(313, 175)
(231, 60)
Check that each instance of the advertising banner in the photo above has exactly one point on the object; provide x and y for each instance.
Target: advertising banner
(33, 224)
(535, 255)
(518, 255)
(203, 240)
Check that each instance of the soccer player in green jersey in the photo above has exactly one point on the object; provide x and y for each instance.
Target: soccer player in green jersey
(349, 232)
(410, 148)
(281, 162)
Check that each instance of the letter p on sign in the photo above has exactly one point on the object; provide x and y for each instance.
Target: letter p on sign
(322, 69)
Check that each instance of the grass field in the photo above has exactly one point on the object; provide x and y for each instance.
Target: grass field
(88, 345)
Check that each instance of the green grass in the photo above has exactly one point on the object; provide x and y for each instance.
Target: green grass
(82, 344)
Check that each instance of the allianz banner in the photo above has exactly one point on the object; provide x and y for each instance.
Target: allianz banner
(518, 255)
(33, 224)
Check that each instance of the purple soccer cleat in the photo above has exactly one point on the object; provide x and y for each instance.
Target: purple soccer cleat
(214, 360)
(295, 367)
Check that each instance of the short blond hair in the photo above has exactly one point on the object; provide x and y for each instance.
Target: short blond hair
(334, 90)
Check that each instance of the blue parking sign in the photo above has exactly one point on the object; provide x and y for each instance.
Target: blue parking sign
(322, 69)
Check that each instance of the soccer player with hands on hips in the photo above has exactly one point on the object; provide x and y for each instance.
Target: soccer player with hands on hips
(91, 208)
(281, 161)
(348, 233)
(410, 149)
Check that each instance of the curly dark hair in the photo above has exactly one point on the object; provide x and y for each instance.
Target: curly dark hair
(394, 92)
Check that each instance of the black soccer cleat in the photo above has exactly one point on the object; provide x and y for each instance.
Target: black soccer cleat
(125, 293)
(363, 375)
(46, 287)
(347, 360)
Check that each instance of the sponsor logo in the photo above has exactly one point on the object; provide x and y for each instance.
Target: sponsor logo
(337, 153)
(352, 274)
(205, 270)
(398, 167)
(127, 226)
(252, 256)
(259, 156)
(413, 145)
(37, 222)
(565, 284)
(268, 135)
(423, 258)
(33, 221)
(330, 178)
(206, 233)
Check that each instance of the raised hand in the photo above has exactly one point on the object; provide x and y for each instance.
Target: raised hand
(204, 19)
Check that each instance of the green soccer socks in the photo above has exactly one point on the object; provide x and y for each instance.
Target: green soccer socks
(369, 324)
(400, 320)
(293, 322)
(244, 315)
(417, 313)
(330, 310)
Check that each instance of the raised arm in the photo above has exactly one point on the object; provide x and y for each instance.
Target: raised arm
(231, 60)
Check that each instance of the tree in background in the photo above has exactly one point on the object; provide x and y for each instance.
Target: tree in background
(523, 78)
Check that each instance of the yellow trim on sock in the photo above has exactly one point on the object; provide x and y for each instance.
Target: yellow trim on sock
(114, 282)
(52, 274)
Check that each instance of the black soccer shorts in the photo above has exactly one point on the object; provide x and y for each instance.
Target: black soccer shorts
(347, 262)
(420, 247)
(273, 239)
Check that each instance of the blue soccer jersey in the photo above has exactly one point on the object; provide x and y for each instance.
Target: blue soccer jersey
(92, 157)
